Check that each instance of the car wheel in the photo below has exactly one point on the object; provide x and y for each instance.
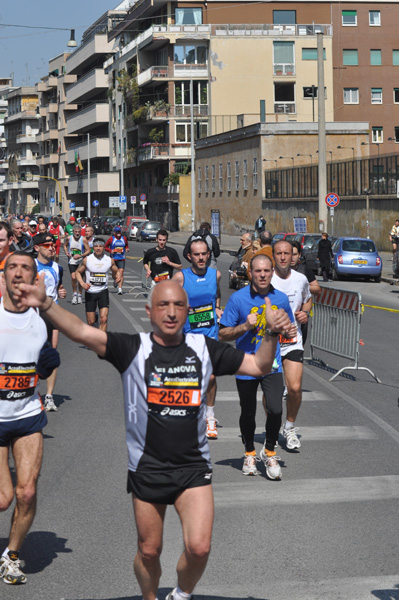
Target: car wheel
(377, 279)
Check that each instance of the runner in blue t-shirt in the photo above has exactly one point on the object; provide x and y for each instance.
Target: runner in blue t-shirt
(244, 320)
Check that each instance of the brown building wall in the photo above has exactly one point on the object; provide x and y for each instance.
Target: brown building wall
(234, 12)
(363, 37)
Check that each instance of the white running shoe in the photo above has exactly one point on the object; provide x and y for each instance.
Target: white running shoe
(211, 428)
(171, 596)
(292, 440)
(10, 571)
(74, 299)
(80, 299)
(273, 469)
(285, 392)
(120, 291)
(49, 403)
(249, 465)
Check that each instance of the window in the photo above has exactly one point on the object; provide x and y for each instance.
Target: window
(245, 174)
(220, 177)
(374, 18)
(396, 95)
(284, 17)
(349, 18)
(255, 173)
(183, 131)
(237, 174)
(350, 57)
(188, 54)
(376, 135)
(188, 16)
(395, 58)
(182, 94)
(283, 58)
(284, 98)
(396, 135)
(351, 95)
(213, 178)
(311, 53)
(199, 179)
(376, 95)
(206, 179)
(375, 57)
(229, 176)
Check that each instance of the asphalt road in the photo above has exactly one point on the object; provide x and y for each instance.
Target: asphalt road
(328, 530)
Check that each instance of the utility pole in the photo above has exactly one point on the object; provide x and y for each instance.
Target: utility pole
(88, 177)
(322, 134)
(192, 155)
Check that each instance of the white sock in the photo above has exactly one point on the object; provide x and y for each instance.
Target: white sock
(5, 553)
(180, 595)
(210, 412)
(289, 424)
(75, 293)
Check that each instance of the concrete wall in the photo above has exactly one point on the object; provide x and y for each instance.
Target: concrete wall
(349, 217)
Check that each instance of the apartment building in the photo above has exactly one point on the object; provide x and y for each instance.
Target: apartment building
(366, 69)
(21, 126)
(236, 54)
(53, 137)
(90, 122)
(5, 84)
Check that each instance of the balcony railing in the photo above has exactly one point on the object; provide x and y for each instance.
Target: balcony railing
(177, 70)
(284, 107)
(152, 152)
(283, 69)
(270, 29)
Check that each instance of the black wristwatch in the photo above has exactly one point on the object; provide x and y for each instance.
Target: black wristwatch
(271, 333)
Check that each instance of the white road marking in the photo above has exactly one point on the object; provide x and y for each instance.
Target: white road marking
(311, 434)
(306, 396)
(308, 491)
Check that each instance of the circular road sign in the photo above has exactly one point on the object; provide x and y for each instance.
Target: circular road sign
(143, 197)
(95, 203)
(332, 200)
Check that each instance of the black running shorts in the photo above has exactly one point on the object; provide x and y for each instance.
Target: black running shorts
(164, 488)
(100, 299)
(120, 263)
(294, 356)
(10, 430)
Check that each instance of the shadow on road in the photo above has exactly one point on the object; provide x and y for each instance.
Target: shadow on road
(40, 549)
(387, 594)
(164, 592)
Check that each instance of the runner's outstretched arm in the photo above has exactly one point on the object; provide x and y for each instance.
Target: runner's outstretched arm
(63, 320)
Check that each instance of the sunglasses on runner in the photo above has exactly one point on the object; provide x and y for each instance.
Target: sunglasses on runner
(47, 245)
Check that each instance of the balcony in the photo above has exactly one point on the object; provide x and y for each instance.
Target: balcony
(49, 134)
(27, 162)
(84, 120)
(47, 84)
(99, 182)
(49, 159)
(284, 107)
(153, 152)
(26, 138)
(261, 30)
(24, 114)
(85, 55)
(87, 86)
(99, 148)
(177, 70)
(282, 69)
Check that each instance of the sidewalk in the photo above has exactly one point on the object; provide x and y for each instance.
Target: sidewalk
(231, 243)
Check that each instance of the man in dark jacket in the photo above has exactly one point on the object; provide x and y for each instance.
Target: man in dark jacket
(260, 225)
(204, 233)
(325, 254)
(21, 240)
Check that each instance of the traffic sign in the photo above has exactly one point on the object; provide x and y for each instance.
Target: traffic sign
(133, 199)
(331, 211)
(143, 202)
(122, 199)
(52, 200)
(95, 203)
(72, 205)
(143, 197)
(113, 201)
(332, 199)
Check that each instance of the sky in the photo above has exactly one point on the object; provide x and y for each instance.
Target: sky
(25, 53)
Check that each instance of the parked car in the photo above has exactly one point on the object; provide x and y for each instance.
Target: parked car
(108, 225)
(278, 237)
(307, 240)
(357, 257)
(130, 226)
(148, 231)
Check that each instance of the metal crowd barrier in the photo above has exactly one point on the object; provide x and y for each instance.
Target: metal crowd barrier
(336, 326)
(145, 287)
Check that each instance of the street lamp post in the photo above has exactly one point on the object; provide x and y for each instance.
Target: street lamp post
(311, 157)
(270, 160)
(288, 157)
(347, 148)
(367, 192)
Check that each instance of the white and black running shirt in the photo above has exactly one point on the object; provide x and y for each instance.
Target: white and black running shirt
(165, 397)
